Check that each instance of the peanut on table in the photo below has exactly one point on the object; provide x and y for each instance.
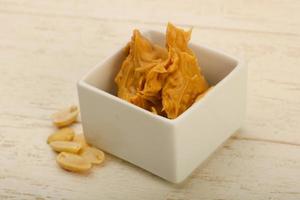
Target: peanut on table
(74, 153)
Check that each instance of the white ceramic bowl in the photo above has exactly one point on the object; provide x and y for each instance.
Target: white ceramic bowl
(171, 149)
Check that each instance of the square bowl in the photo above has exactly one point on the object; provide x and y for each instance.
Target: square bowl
(169, 148)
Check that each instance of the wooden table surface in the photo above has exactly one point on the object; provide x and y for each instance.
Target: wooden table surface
(46, 46)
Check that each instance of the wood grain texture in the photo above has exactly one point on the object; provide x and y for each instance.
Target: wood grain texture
(46, 46)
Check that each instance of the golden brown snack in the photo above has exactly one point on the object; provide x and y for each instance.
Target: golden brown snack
(93, 155)
(185, 81)
(66, 116)
(64, 134)
(162, 81)
(66, 146)
(73, 162)
(133, 85)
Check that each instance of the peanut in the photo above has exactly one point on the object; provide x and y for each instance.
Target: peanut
(65, 117)
(64, 134)
(73, 162)
(93, 155)
(66, 146)
(75, 154)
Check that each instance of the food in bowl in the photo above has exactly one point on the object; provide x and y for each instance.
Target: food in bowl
(171, 149)
(165, 81)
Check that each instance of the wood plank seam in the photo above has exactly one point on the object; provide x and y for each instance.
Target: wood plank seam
(148, 23)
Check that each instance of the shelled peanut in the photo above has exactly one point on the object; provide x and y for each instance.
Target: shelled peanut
(74, 153)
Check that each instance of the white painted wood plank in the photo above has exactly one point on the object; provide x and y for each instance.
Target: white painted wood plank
(256, 15)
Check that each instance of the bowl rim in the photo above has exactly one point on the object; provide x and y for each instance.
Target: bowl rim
(82, 82)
